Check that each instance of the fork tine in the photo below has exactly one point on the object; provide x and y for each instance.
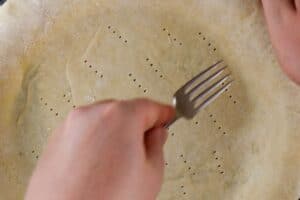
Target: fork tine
(213, 97)
(189, 83)
(211, 77)
(210, 88)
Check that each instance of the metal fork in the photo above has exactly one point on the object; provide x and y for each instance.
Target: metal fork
(200, 91)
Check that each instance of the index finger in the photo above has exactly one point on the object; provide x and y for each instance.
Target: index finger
(277, 8)
(152, 114)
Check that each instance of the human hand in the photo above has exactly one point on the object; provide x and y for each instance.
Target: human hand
(110, 150)
(283, 19)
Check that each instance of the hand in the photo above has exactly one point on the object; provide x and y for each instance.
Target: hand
(111, 150)
(283, 18)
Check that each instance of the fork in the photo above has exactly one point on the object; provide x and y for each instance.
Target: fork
(200, 91)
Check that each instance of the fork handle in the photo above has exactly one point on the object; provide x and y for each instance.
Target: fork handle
(177, 116)
(171, 122)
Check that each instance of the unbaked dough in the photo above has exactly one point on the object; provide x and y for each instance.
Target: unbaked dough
(60, 54)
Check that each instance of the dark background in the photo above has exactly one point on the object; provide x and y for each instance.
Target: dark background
(2, 2)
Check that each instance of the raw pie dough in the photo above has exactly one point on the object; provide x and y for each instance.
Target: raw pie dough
(59, 54)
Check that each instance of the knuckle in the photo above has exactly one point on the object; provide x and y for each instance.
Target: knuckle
(76, 113)
(142, 101)
(112, 109)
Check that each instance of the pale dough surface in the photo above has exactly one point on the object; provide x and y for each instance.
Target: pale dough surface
(58, 54)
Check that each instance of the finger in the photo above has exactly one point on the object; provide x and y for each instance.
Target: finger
(152, 114)
(95, 106)
(103, 102)
(154, 142)
(276, 8)
(297, 3)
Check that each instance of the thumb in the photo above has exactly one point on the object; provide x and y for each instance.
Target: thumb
(154, 141)
(275, 8)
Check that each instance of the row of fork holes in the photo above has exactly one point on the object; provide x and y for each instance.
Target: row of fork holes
(69, 101)
(91, 67)
(51, 110)
(230, 96)
(219, 127)
(182, 188)
(214, 152)
(174, 39)
(209, 44)
(46, 104)
(219, 165)
(215, 121)
(135, 81)
(185, 162)
(190, 168)
(33, 152)
(214, 49)
(152, 65)
(114, 32)
(216, 158)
